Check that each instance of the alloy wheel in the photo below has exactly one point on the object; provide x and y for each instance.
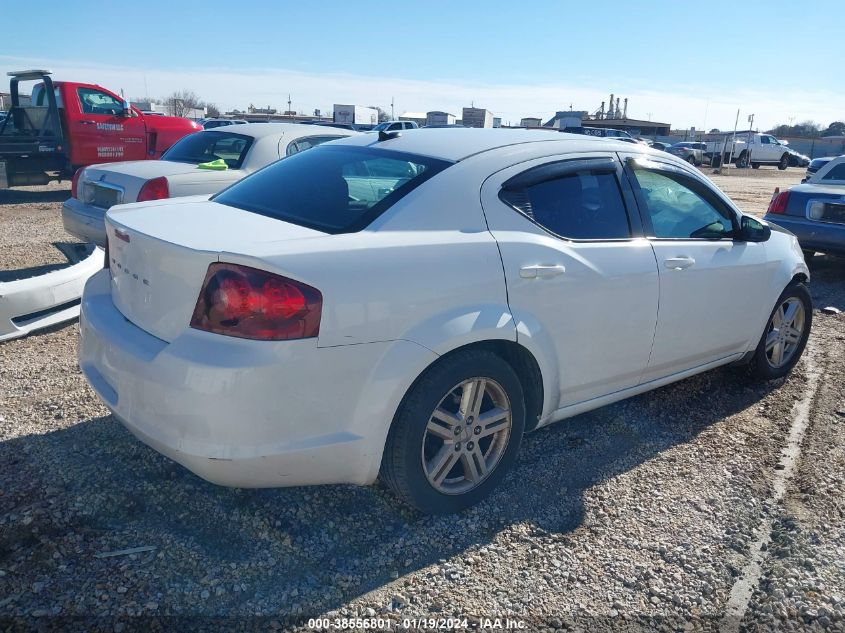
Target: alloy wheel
(466, 435)
(786, 328)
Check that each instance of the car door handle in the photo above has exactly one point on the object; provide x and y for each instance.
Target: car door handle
(87, 122)
(679, 263)
(540, 271)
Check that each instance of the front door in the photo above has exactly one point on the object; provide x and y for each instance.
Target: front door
(712, 287)
(102, 134)
(582, 281)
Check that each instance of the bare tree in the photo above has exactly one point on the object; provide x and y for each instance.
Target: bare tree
(181, 102)
(211, 110)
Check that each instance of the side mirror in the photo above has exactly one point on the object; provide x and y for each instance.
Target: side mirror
(127, 109)
(752, 230)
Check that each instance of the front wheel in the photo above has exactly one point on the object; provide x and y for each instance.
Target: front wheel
(456, 433)
(786, 334)
(691, 160)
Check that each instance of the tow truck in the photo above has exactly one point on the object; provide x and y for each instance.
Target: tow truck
(68, 125)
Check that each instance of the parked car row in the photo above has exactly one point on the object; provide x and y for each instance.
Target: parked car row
(199, 164)
(408, 306)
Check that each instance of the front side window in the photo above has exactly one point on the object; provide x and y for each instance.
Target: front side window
(333, 188)
(682, 208)
(208, 146)
(98, 102)
(582, 205)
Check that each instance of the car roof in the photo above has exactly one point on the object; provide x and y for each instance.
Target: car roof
(260, 130)
(455, 144)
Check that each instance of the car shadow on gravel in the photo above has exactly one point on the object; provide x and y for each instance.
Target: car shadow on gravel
(827, 281)
(91, 488)
(28, 196)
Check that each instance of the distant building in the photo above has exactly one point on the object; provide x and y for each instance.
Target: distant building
(417, 117)
(436, 117)
(477, 117)
(566, 118)
(497, 121)
(530, 121)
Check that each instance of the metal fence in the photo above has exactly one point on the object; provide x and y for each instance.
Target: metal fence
(817, 147)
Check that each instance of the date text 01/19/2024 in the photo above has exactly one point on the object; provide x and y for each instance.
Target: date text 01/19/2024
(415, 624)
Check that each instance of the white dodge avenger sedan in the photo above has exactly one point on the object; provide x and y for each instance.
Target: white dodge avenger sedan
(409, 306)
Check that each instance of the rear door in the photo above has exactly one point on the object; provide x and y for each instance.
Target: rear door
(100, 132)
(712, 287)
(581, 279)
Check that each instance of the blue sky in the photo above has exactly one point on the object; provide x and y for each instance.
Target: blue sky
(689, 63)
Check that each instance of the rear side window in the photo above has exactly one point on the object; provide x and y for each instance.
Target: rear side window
(581, 205)
(204, 147)
(334, 188)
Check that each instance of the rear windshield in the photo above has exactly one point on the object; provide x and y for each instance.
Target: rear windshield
(204, 147)
(334, 189)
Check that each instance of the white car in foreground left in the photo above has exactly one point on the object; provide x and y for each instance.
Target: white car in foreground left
(200, 163)
(408, 306)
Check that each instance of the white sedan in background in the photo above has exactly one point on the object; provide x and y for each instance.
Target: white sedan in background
(409, 306)
(201, 163)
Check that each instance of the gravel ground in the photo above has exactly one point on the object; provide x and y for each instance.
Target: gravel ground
(752, 189)
(638, 516)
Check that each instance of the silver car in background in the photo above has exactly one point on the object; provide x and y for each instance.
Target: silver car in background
(198, 164)
(690, 151)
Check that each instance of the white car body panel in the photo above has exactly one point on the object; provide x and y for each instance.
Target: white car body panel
(37, 302)
(435, 272)
(567, 309)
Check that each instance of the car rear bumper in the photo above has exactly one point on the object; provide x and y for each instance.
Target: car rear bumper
(245, 413)
(84, 221)
(825, 237)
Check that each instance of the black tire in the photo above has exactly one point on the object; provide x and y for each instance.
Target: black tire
(691, 160)
(784, 162)
(742, 160)
(755, 165)
(760, 367)
(401, 466)
(808, 255)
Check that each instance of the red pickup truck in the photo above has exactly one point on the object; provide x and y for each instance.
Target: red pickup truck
(69, 125)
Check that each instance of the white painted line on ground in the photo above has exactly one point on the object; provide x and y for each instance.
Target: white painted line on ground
(748, 580)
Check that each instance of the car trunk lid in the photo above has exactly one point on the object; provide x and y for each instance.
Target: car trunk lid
(117, 183)
(159, 254)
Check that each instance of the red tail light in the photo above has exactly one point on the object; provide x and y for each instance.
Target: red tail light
(250, 303)
(74, 183)
(155, 189)
(779, 201)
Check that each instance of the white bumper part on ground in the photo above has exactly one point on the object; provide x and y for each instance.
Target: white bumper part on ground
(44, 300)
(239, 412)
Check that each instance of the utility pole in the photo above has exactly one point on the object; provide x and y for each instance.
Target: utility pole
(289, 102)
(392, 114)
